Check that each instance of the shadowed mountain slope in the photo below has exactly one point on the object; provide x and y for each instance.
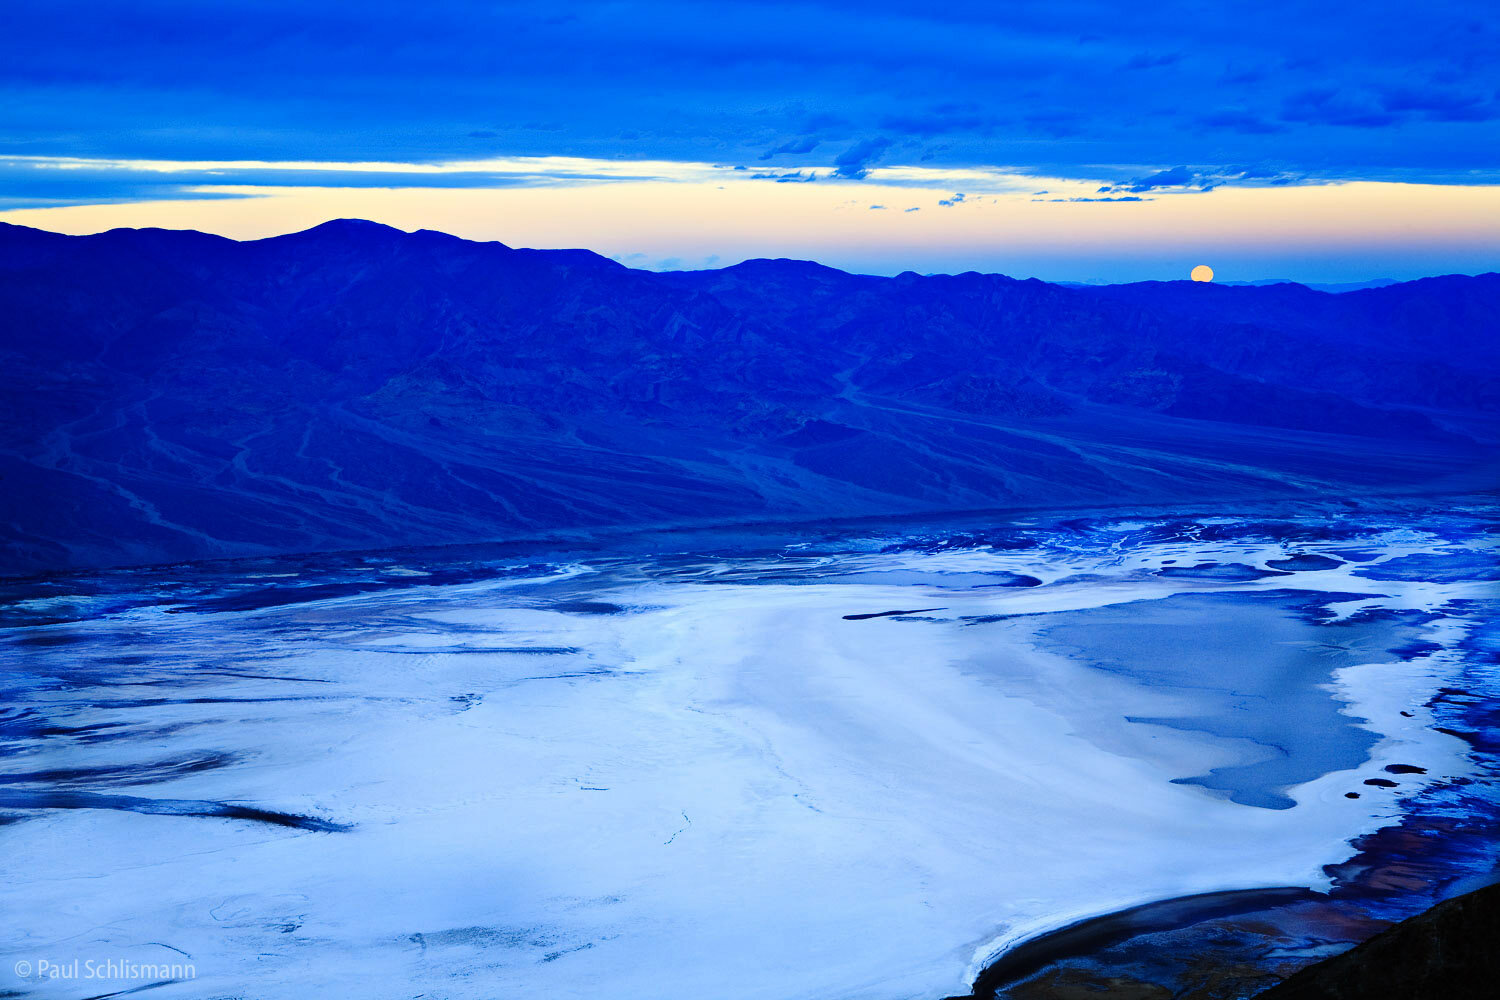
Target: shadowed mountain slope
(174, 395)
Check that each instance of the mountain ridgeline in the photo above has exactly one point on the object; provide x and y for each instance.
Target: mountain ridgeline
(175, 395)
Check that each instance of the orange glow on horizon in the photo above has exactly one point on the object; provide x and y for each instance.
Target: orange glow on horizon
(694, 223)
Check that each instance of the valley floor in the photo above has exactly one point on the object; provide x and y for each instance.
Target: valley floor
(852, 763)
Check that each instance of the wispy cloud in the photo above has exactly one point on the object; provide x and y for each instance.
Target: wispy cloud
(802, 144)
(854, 163)
(28, 181)
(1182, 179)
(36, 181)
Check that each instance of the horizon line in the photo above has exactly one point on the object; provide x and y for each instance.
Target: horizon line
(1322, 287)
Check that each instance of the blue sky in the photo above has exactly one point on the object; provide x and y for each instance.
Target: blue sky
(166, 101)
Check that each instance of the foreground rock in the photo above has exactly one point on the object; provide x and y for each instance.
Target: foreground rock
(1449, 952)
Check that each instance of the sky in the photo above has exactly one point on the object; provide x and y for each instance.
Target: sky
(1068, 140)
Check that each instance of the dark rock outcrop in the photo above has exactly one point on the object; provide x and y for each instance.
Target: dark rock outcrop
(1450, 952)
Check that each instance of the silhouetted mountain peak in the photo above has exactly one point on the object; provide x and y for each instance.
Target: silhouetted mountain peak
(781, 266)
(344, 231)
(351, 227)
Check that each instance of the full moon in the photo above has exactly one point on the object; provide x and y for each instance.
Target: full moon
(1203, 273)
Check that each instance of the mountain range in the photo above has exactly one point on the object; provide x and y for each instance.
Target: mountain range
(172, 395)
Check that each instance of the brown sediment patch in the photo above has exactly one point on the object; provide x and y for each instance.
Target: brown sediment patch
(1089, 936)
(1396, 871)
(1447, 951)
(1075, 984)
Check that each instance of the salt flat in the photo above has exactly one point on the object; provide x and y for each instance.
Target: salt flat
(724, 774)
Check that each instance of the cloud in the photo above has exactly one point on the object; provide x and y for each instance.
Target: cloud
(1243, 122)
(854, 163)
(939, 120)
(665, 80)
(877, 208)
(30, 182)
(786, 176)
(1181, 179)
(1057, 123)
(1145, 60)
(1331, 106)
(1176, 177)
(952, 200)
(1441, 104)
(805, 144)
(1130, 197)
